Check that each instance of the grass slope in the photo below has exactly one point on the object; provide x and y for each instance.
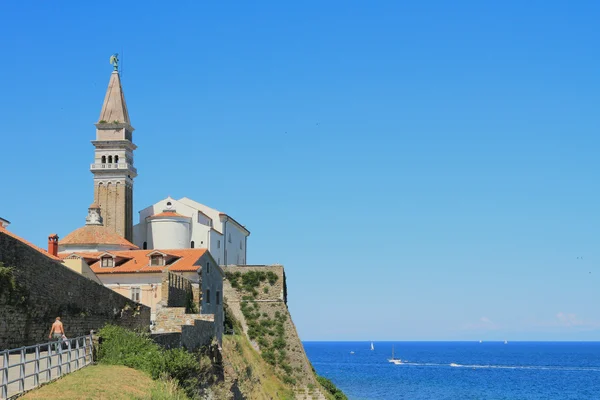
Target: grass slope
(245, 368)
(107, 382)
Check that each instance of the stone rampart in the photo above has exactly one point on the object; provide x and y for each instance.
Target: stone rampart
(175, 328)
(268, 304)
(275, 292)
(175, 290)
(37, 289)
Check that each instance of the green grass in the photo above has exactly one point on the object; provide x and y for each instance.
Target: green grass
(108, 382)
(121, 346)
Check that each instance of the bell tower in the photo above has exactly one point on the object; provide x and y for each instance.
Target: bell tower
(113, 159)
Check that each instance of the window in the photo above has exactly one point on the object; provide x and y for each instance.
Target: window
(157, 260)
(207, 296)
(103, 159)
(107, 262)
(110, 159)
(217, 298)
(207, 268)
(145, 245)
(116, 159)
(240, 245)
(192, 244)
(230, 238)
(218, 244)
(136, 294)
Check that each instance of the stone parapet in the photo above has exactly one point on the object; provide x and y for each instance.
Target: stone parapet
(45, 289)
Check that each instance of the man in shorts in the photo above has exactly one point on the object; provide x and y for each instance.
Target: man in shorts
(57, 332)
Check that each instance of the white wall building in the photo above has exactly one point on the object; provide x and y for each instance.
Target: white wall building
(184, 224)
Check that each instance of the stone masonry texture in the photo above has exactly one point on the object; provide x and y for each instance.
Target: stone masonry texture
(47, 289)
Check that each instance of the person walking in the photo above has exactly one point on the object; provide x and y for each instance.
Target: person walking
(57, 332)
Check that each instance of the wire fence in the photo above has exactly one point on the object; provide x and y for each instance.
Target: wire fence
(25, 368)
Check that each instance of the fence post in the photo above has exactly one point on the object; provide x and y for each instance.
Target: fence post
(76, 354)
(95, 346)
(4, 375)
(22, 371)
(59, 361)
(69, 356)
(36, 377)
(49, 363)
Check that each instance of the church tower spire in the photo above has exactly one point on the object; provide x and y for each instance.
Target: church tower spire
(113, 159)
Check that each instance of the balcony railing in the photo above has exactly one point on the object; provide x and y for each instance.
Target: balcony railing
(118, 166)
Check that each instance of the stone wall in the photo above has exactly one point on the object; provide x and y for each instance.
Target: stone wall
(175, 290)
(175, 328)
(45, 288)
(276, 292)
(270, 302)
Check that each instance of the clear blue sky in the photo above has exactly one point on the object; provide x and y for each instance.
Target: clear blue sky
(424, 170)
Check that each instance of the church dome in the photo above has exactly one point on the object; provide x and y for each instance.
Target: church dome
(94, 237)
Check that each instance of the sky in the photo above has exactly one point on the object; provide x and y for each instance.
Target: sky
(424, 170)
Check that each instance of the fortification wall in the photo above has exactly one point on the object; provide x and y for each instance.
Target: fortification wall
(43, 289)
(175, 328)
(175, 290)
(275, 292)
(269, 307)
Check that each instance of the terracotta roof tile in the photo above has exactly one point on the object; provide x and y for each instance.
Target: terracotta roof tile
(95, 234)
(25, 242)
(167, 214)
(137, 261)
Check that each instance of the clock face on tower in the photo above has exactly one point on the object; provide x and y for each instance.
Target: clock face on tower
(169, 205)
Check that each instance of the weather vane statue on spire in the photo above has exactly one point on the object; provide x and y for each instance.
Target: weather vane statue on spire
(114, 60)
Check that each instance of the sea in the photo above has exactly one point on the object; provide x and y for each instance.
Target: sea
(461, 370)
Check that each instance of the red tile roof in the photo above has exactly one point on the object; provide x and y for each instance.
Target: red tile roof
(168, 214)
(25, 242)
(138, 261)
(95, 234)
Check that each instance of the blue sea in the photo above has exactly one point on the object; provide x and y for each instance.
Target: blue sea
(461, 370)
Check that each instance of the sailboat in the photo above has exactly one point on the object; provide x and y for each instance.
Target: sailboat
(394, 360)
(372, 347)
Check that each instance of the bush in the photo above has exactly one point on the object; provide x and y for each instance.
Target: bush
(331, 388)
(121, 346)
(124, 347)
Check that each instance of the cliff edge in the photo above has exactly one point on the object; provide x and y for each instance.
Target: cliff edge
(256, 307)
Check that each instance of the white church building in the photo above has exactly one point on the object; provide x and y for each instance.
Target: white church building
(185, 224)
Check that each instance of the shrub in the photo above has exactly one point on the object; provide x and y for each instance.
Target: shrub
(121, 346)
(124, 347)
(331, 388)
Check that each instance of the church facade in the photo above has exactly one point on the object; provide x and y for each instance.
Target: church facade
(186, 224)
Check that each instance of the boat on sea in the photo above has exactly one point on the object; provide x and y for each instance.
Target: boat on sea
(372, 347)
(506, 342)
(351, 352)
(394, 360)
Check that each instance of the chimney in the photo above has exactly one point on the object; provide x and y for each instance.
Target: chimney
(53, 244)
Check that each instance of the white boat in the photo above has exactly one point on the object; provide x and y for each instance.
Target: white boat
(481, 341)
(351, 352)
(372, 347)
(394, 360)
(506, 342)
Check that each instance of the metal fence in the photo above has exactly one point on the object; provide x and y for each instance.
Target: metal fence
(27, 367)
